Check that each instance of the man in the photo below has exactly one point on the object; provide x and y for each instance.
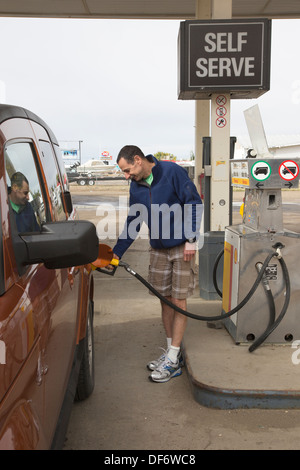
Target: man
(163, 196)
(19, 200)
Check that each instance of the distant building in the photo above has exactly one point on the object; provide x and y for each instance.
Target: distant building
(279, 146)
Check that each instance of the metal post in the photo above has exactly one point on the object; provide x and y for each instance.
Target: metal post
(220, 154)
(220, 142)
(80, 142)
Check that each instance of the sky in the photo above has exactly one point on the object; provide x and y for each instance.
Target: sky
(111, 83)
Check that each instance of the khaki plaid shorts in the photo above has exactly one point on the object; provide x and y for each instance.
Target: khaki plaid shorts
(170, 275)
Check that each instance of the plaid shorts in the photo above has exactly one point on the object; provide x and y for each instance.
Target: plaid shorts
(170, 275)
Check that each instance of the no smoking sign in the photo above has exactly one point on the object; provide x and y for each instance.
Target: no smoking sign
(288, 170)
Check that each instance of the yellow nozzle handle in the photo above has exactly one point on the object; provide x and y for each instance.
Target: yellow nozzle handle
(104, 263)
(115, 262)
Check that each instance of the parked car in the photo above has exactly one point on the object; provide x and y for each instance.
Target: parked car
(46, 288)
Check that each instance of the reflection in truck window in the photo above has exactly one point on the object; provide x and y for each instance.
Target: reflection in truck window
(53, 180)
(61, 167)
(19, 200)
(19, 159)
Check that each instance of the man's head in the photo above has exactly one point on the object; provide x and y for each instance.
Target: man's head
(133, 163)
(19, 189)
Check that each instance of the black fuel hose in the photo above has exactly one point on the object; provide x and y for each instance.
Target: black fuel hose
(272, 309)
(215, 273)
(200, 317)
(275, 323)
(272, 323)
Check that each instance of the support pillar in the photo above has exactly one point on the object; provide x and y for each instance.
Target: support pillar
(213, 118)
(202, 107)
(220, 141)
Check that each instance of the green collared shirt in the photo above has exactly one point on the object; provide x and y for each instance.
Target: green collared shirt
(16, 207)
(149, 179)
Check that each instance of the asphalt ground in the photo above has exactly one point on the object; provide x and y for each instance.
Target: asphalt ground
(127, 411)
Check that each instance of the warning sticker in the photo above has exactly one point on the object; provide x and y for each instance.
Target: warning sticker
(221, 122)
(221, 111)
(288, 170)
(271, 272)
(221, 100)
(261, 171)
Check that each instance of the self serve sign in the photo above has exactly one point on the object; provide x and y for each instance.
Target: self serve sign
(225, 54)
(228, 66)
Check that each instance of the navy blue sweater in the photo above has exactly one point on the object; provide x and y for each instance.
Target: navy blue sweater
(171, 208)
(25, 220)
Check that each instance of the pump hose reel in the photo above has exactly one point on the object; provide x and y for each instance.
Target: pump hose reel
(105, 259)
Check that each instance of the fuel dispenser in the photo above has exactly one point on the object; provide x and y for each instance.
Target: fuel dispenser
(275, 305)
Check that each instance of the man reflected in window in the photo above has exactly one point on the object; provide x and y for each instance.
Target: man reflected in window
(19, 200)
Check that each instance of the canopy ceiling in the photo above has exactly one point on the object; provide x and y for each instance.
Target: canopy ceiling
(142, 9)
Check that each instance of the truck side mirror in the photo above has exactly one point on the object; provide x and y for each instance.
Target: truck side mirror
(59, 244)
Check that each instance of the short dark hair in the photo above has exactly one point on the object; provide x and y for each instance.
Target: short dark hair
(18, 178)
(128, 153)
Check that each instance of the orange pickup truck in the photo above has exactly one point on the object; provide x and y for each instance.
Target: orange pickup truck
(46, 288)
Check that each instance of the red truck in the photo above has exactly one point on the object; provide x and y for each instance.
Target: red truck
(46, 288)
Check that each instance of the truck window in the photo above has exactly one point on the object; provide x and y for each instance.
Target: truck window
(53, 179)
(61, 165)
(24, 190)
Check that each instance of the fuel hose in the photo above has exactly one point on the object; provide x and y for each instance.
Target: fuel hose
(203, 317)
(272, 324)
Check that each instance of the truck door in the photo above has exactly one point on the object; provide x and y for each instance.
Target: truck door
(62, 335)
(24, 304)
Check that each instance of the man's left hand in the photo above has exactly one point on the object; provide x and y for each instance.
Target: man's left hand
(189, 251)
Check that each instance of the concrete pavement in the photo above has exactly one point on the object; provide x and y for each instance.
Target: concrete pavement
(204, 408)
(127, 411)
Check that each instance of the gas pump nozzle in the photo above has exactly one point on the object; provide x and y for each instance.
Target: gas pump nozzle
(106, 260)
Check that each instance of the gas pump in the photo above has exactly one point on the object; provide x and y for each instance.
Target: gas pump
(248, 244)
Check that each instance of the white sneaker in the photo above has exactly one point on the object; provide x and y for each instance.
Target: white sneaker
(165, 371)
(152, 365)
